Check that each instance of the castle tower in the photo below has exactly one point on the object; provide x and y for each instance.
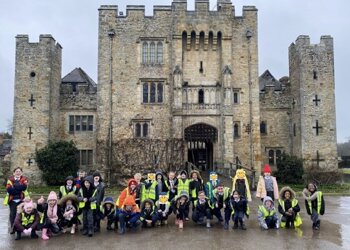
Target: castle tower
(36, 103)
(311, 68)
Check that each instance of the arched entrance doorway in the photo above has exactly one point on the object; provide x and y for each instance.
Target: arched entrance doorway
(200, 139)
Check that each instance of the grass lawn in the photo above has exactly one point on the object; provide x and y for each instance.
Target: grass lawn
(346, 170)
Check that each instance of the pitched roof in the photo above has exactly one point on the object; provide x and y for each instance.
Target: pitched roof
(267, 79)
(78, 76)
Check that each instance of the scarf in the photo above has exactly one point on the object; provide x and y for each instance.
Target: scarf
(52, 213)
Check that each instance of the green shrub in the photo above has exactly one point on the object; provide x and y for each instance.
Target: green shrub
(57, 161)
(289, 169)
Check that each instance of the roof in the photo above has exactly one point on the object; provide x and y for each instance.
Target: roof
(267, 79)
(5, 148)
(78, 76)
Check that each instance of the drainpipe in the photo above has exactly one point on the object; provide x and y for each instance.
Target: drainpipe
(111, 35)
(249, 35)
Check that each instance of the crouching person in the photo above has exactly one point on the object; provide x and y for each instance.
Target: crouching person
(267, 215)
(239, 209)
(69, 212)
(129, 215)
(108, 211)
(289, 208)
(180, 206)
(202, 208)
(163, 209)
(50, 216)
(26, 220)
(148, 215)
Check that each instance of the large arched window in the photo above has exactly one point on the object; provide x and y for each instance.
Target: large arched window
(159, 52)
(145, 52)
(201, 96)
(152, 53)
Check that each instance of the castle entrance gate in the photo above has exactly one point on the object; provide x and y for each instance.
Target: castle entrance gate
(200, 139)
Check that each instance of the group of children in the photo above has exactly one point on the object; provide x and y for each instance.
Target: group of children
(149, 203)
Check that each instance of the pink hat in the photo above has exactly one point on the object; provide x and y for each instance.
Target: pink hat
(28, 204)
(267, 169)
(52, 196)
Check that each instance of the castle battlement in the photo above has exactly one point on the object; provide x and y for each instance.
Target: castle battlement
(44, 39)
(304, 41)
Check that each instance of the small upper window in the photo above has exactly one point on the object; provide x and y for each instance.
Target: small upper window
(141, 129)
(32, 74)
(262, 127)
(236, 130)
(315, 75)
(201, 96)
(152, 52)
(152, 92)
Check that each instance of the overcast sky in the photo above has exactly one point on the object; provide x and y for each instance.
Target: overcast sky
(74, 24)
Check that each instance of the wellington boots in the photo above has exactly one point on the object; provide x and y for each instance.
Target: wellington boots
(44, 234)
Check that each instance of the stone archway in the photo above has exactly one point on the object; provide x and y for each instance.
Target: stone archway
(200, 139)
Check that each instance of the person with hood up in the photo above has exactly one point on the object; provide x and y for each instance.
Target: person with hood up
(202, 208)
(87, 203)
(68, 187)
(100, 188)
(26, 220)
(180, 206)
(130, 190)
(69, 212)
(289, 208)
(196, 185)
(148, 215)
(129, 215)
(267, 215)
(108, 211)
(314, 204)
(267, 185)
(51, 215)
(222, 200)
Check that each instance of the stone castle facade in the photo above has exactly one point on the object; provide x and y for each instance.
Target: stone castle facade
(179, 86)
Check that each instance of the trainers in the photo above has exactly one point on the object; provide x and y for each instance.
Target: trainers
(243, 227)
(226, 225)
(187, 219)
(72, 231)
(235, 226)
(177, 222)
(159, 223)
(165, 222)
(181, 224)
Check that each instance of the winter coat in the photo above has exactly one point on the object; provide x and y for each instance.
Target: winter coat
(287, 203)
(124, 194)
(146, 214)
(272, 212)
(239, 206)
(172, 193)
(314, 201)
(90, 193)
(261, 190)
(18, 224)
(16, 189)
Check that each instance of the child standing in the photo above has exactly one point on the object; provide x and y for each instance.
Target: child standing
(289, 208)
(180, 206)
(148, 215)
(100, 193)
(196, 185)
(172, 185)
(108, 211)
(50, 210)
(222, 200)
(267, 185)
(68, 187)
(87, 203)
(184, 186)
(211, 185)
(26, 220)
(202, 208)
(69, 211)
(314, 204)
(239, 209)
(267, 215)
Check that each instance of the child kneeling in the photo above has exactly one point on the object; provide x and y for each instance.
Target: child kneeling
(26, 220)
(289, 208)
(239, 209)
(180, 206)
(148, 215)
(202, 208)
(267, 215)
(129, 215)
(108, 211)
(69, 211)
